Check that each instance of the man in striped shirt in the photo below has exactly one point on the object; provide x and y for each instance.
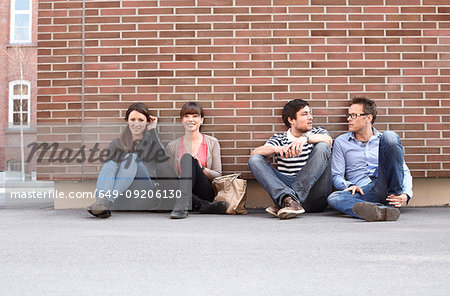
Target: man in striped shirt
(303, 178)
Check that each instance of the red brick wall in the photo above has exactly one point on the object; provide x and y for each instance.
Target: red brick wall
(244, 59)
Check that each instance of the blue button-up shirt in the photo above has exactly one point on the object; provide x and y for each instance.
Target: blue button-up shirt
(355, 163)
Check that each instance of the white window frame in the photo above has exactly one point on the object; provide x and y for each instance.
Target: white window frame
(24, 97)
(13, 22)
(15, 163)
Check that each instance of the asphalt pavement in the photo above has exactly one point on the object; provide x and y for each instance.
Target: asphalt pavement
(68, 252)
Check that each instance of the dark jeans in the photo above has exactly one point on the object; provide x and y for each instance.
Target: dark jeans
(389, 180)
(311, 186)
(194, 183)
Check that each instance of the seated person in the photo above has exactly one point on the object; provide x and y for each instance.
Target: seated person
(302, 181)
(196, 158)
(368, 168)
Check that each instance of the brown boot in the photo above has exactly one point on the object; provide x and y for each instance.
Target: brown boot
(290, 209)
(100, 208)
(372, 212)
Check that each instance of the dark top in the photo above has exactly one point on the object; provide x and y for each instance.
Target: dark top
(150, 151)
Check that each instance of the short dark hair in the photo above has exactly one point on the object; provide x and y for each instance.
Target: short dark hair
(191, 108)
(290, 110)
(369, 106)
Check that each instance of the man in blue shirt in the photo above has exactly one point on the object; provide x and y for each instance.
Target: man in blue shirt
(368, 168)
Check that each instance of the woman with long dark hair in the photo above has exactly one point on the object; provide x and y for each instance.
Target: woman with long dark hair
(196, 158)
(137, 156)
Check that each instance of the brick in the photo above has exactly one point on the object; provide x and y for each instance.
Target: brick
(215, 80)
(382, 56)
(289, 33)
(403, 32)
(306, 25)
(154, 57)
(328, 18)
(366, 17)
(268, 9)
(379, 25)
(403, 48)
(381, 40)
(329, 80)
(214, 18)
(177, 49)
(306, 40)
(366, 48)
(271, 26)
(215, 2)
(344, 25)
(346, 72)
(231, 57)
(328, 33)
(231, 26)
(254, 33)
(404, 17)
(307, 56)
(257, 41)
(232, 73)
(329, 48)
(214, 33)
(215, 49)
(419, 25)
(328, 64)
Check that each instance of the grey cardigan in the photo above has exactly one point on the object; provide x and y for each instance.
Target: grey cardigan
(213, 161)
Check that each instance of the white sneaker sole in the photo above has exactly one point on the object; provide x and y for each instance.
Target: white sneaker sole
(288, 214)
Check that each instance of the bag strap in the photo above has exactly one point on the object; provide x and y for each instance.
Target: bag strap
(231, 178)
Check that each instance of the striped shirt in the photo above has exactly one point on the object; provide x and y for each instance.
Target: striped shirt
(291, 166)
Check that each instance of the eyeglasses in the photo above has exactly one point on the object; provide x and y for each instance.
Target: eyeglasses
(355, 115)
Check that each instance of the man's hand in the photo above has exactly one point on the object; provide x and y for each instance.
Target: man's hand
(297, 146)
(284, 151)
(292, 150)
(354, 189)
(397, 200)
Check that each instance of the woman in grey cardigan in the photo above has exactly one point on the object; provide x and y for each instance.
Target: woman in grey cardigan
(196, 158)
(137, 157)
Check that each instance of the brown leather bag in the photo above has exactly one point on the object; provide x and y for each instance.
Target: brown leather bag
(232, 190)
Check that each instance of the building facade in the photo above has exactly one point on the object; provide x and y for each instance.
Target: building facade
(18, 80)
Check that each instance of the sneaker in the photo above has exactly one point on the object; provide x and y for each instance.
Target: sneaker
(100, 208)
(179, 214)
(273, 210)
(372, 212)
(290, 209)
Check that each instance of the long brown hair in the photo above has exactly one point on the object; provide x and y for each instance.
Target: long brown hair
(126, 139)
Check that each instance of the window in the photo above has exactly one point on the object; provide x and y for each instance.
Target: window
(20, 21)
(19, 103)
(15, 165)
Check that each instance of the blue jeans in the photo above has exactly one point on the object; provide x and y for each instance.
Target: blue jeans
(115, 178)
(310, 186)
(389, 179)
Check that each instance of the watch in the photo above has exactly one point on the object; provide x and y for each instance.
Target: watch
(202, 167)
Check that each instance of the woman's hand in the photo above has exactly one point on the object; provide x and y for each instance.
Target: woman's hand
(152, 123)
